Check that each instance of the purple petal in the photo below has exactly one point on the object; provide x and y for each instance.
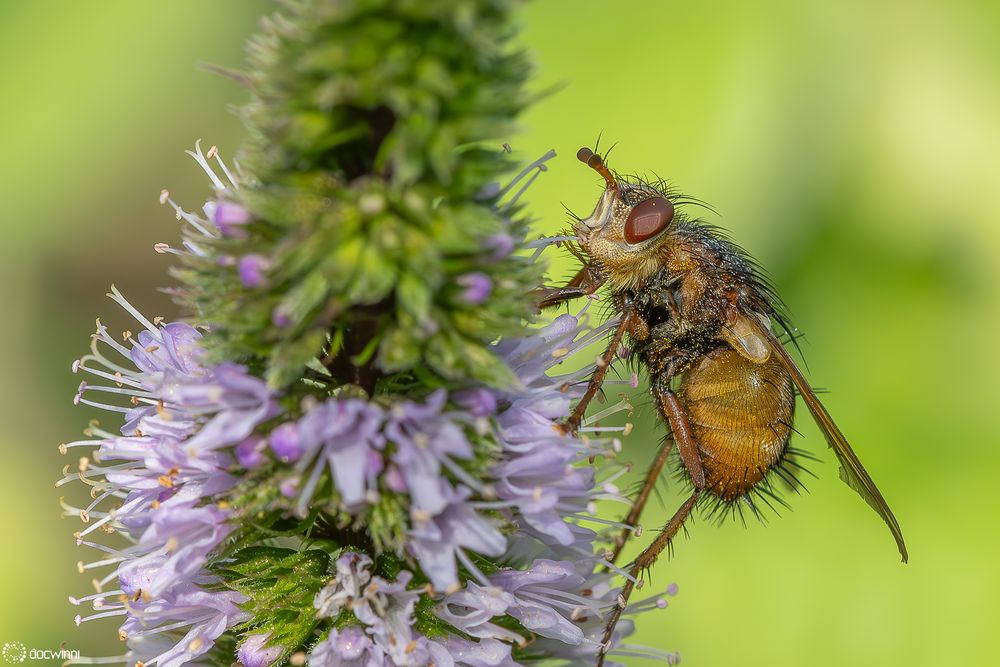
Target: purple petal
(252, 269)
(478, 287)
(253, 652)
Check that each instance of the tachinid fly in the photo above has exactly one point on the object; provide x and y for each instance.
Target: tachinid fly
(700, 318)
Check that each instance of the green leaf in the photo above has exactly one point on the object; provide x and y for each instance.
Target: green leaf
(291, 356)
(414, 296)
(455, 356)
(280, 585)
(398, 351)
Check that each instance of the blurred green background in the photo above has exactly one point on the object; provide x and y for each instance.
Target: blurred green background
(853, 147)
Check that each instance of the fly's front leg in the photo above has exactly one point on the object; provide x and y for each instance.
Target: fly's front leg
(585, 282)
(603, 364)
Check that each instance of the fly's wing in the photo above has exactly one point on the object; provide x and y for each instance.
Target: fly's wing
(851, 470)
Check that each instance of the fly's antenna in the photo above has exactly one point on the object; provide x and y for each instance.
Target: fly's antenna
(595, 162)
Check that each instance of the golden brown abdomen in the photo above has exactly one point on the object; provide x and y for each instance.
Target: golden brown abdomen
(741, 415)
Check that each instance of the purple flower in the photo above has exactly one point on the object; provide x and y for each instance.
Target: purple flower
(540, 473)
(252, 269)
(166, 468)
(254, 652)
(250, 452)
(239, 401)
(289, 487)
(344, 436)
(481, 653)
(479, 401)
(473, 609)
(230, 218)
(205, 614)
(348, 647)
(501, 245)
(427, 441)
(174, 346)
(436, 541)
(353, 574)
(385, 608)
(285, 443)
(201, 614)
(394, 479)
(546, 598)
(187, 534)
(600, 595)
(542, 485)
(217, 610)
(280, 317)
(477, 287)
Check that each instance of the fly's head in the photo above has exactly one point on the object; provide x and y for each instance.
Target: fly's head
(628, 228)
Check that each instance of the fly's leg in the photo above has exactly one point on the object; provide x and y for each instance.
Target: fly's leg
(688, 449)
(585, 282)
(652, 477)
(597, 379)
(645, 560)
(677, 417)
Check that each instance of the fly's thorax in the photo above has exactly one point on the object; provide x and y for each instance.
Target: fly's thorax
(673, 304)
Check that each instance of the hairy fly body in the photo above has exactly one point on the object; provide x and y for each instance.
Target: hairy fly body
(700, 319)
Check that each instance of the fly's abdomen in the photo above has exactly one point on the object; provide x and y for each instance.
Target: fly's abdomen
(740, 414)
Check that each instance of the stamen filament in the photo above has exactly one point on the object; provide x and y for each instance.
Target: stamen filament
(102, 406)
(95, 596)
(108, 376)
(621, 405)
(102, 563)
(597, 519)
(93, 617)
(117, 297)
(191, 219)
(524, 172)
(471, 567)
(225, 170)
(199, 157)
(122, 391)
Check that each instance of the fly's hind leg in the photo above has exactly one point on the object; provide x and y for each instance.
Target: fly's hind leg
(644, 562)
(688, 449)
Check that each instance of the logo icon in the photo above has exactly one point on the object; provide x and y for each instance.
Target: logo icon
(14, 652)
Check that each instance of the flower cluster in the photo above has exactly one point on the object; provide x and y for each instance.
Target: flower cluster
(356, 457)
(191, 431)
(366, 211)
(161, 474)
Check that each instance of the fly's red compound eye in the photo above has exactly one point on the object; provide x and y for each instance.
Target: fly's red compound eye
(647, 219)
